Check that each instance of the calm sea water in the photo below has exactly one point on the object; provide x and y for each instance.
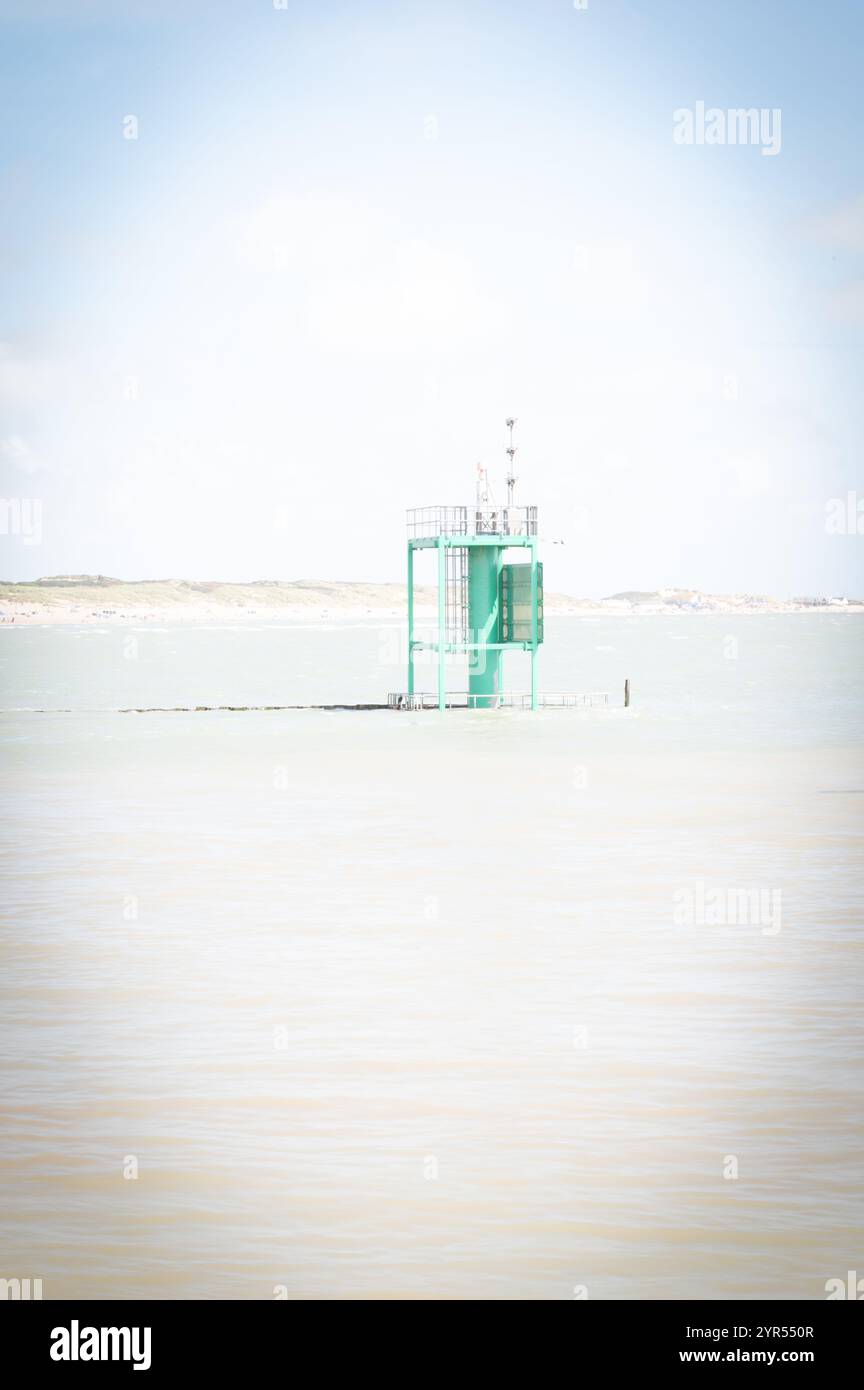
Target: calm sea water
(394, 1005)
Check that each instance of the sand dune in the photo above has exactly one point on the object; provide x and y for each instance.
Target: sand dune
(89, 598)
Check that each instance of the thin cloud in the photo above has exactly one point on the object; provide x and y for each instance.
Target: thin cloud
(841, 228)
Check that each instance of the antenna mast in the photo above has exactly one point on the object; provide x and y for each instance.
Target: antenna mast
(511, 454)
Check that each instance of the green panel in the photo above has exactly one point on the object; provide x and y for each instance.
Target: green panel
(516, 603)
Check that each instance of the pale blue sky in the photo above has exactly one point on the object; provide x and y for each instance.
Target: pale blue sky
(350, 238)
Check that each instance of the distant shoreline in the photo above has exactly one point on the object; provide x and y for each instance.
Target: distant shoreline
(87, 600)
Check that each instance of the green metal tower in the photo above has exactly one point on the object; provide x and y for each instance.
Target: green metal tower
(486, 605)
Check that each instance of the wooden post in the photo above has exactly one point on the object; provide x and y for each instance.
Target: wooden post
(627, 693)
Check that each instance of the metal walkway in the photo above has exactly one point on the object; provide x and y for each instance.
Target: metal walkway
(428, 699)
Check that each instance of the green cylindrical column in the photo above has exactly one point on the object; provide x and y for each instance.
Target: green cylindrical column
(484, 568)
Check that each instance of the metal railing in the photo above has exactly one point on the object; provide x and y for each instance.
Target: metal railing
(427, 522)
(461, 699)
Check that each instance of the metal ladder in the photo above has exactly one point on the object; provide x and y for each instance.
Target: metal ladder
(456, 594)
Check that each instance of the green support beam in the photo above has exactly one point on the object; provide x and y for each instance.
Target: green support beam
(410, 619)
(442, 631)
(533, 624)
